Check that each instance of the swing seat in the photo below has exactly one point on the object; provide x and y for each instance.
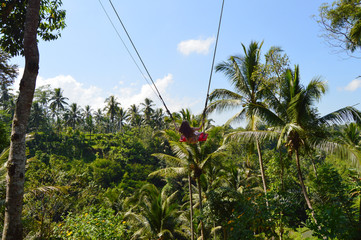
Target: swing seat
(201, 138)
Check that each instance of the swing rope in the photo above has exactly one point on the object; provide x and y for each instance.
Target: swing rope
(130, 54)
(146, 69)
(150, 77)
(214, 57)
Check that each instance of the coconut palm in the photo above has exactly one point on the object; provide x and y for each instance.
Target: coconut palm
(122, 118)
(58, 101)
(155, 213)
(349, 140)
(134, 116)
(296, 122)
(87, 112)
(42, 96)
(73, 115)
(112, 108)
(190, 160)
(99, 120)
(57, 104)
(244, 74)
(88, 123)
(37, 118)
(158, 118)
(147, 109)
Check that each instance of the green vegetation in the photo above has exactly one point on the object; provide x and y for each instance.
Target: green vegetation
(118, 173)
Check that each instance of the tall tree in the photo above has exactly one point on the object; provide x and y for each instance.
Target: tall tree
(42, 95)
(37, 117)
(88, 119)
(58, 102)
(190, 160)
(73, 115)
(122, 118)
(341, 21)
(134, 116)
(158, 119)
(112, 108)
(297, 121)
(99, 119)
(244, 74)
(8, 73)
(147, 110)
(20, 22)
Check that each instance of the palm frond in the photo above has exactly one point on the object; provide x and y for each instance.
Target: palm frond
(170, 172)
(223, 105)
(172, 161)
(180, 150)
(346, 114)
(224, 94)
(252, 136)
(238, 117)
(47, 190)
(4, 155)
(265, 113)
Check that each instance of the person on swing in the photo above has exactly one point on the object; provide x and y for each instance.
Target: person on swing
(190, 133)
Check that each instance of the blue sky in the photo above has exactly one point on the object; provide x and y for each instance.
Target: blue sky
(176, 41)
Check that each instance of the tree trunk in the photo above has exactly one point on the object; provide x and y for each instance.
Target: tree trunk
(262, 170)
(200, 206)
(314, 166)
(282, 171)
(304, 191)
(359, 217)
(17, 158)
(191, 205)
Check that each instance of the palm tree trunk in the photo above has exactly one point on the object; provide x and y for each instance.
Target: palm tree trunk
(359, 218)
(303, 187)
(282, 170)
(200, 206)
(314, 166)
(191, 205)
(13, 228)
(262, 170)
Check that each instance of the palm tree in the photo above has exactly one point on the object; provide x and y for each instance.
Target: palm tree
(244, 75)
(73, 115)
(349, 139)
(190, 160)
(99, 119)
(88, 120)
(134, 115)
(42, 95)
(112, 108)
(87, 111)
(57, 103)
(158, 118)
(122, 118)
(296, 121)
(158, 214)
(147, 109)
(37, 118)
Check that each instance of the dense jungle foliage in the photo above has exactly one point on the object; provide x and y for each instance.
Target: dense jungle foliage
(116, 173)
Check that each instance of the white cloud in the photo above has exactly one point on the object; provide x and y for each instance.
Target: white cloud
(200, 46)
(133, 94)
(353, 85)
(74, 90)
(136, 95)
